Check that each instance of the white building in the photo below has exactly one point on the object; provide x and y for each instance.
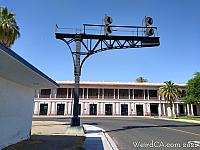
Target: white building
(18, 81)
(109, 98)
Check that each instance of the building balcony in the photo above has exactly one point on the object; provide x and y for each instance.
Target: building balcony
(139, 97)
(109, 97)
(90, 96)
(153, 97)
(61, 96)
(44, 96)
(123, 97)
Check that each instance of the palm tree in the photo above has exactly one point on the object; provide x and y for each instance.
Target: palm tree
(141, 80)
(171, 92)
(9, 31)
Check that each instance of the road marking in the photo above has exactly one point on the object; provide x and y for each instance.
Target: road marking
(182, 131)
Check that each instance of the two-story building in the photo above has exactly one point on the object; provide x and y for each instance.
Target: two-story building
(110, 99)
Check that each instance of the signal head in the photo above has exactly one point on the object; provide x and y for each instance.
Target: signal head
(148, 21)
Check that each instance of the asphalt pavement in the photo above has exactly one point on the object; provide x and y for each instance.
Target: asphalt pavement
(131, 133)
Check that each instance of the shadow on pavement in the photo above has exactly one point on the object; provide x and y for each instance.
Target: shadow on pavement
(91, 123)
(50, 142)
(153, 126)
(93, 143)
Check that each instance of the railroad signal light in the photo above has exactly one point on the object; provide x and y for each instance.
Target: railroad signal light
(148, 21)
(149, 32)
(108, 20)
(107, 28)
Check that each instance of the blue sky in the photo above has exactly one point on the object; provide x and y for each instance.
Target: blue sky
(176, 59)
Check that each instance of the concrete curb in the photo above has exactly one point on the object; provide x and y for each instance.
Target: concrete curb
(96, 138)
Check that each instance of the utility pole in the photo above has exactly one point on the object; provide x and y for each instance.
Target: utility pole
(95, 43)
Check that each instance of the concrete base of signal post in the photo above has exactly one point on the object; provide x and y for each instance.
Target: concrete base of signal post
(75, 131)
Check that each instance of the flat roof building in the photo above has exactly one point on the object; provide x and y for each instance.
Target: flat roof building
(110, 99)
(18, 81)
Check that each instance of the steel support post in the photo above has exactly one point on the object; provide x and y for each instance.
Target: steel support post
(75, 121)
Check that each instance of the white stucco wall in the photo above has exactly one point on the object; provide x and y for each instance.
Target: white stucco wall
(16, 106)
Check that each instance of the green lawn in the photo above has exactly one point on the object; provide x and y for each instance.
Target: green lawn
(188, 118)
(185, 117)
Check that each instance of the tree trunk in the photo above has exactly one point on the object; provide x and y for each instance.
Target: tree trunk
(171, 108)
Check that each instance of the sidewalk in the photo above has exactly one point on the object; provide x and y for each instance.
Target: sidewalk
(97, 139)
(51, 135)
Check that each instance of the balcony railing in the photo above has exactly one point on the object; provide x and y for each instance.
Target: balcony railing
(109, 97)
(61, 96)
(138, 97)
(123, 97)
(44, 96)
(90, 96)
(153, 97)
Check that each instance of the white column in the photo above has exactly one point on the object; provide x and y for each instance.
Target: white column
(145, 109)
(148, 109)
(144, 94)
(129, 108)
(114, 94)
(98, 93)
(37, 93)
(53, 108)
(71, 92)
(49, 108)
(54, 92)
(188, 110)
(114, 108)
(87, 93)
(192, 112)
(67, 92)
(185, 109)
(117, 109)
(102, 93)
(129, 96)
(69, 106)
(134, 109)
(65, 111)
(177, 109)
(173, 109)
(99, 109)
(159, 109)
(87, 108)
(169, 113)
(118, 93)
(103, 108)
(133, 95)
(164, 111)
(36, 108)
(148, 93)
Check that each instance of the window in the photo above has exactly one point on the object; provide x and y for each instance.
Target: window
(138, 94)
(153, 94)
(61, 93)
(108, 93)
(45, 93)
(123, 93)
(92, 93)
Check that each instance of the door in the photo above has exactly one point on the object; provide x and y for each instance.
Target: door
(43, 109)
(124, 109)
(195, 110)
(181, 109)
(60, 109)
(154, 109)
(139, 109)
(108, 109)
(93, 109)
